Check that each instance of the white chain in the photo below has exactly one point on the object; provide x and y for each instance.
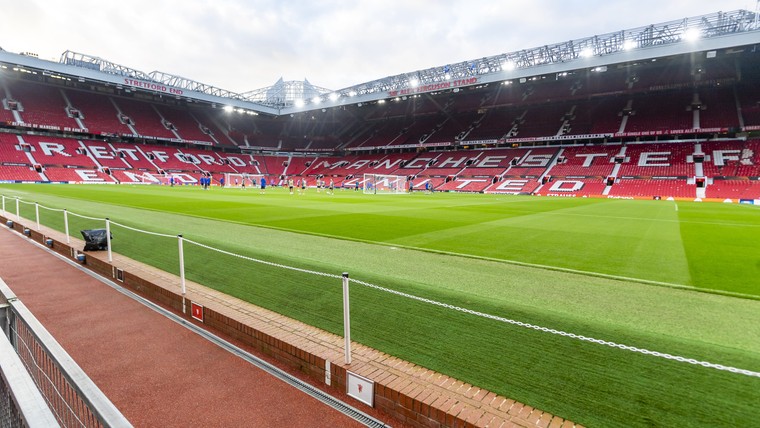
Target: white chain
(52, 209)
(264, 262)
(564, 333)
(643, 351)
(85, 217)
(143, 231)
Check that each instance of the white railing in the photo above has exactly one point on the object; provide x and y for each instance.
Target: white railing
(344, 279)
(60, 393)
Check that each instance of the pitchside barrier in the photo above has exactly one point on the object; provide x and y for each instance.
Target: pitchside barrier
(41, 385)
(307, 290)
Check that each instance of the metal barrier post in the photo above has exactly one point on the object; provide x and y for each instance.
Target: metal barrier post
(346, 320)
(18, 214)
(37, 214)
(108, 239)
(66, 225)
(182, 269)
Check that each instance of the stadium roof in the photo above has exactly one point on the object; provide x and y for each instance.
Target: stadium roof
(705, 33)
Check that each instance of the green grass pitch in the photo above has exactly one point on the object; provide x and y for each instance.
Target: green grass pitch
(681, 278)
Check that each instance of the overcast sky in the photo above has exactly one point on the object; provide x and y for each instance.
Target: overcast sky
(240, 45)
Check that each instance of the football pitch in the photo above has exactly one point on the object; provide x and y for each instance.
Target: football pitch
(572, 288)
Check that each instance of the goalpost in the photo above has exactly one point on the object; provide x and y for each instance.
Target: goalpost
(384, 184)
(236, 180)
(155, 178)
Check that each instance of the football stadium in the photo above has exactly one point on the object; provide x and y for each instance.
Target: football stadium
(564, 235)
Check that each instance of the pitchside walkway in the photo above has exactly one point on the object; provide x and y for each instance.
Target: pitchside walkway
(435, 392)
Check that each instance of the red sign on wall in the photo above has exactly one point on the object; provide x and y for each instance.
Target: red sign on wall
(196, 311)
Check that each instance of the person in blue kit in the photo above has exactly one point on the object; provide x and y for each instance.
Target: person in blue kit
(263, 185)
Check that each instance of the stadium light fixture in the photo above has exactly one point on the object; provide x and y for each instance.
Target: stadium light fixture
(414, 82)
(334, 97)
(228, 109)
(316, 100)
(509, 65)
(352, 94)
(587, 53)
(691, 35)
(629, 44)
(299, 103)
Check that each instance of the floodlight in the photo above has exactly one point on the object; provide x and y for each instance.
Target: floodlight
(691, 34)
(334, 97)
(587, 53)
(352, 94)
(447, 76)
(414, 82)
(316, 100)
(629, 44)
(228, 109)
(299, 103)
(508, 65)
(381, 101)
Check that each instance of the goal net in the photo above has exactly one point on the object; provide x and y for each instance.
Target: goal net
(381, 184)
(156, 178)
(235, 180)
